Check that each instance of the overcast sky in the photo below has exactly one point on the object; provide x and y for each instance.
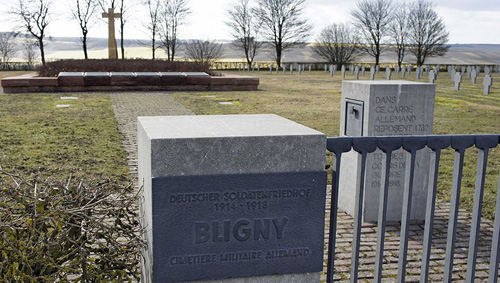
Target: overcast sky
(469, 21)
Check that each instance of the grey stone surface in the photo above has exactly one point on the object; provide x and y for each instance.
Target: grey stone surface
(390, 108)
(70, 74)
(173, 146)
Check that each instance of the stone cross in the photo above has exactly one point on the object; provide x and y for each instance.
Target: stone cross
(363, 69)
(452, 74)
(258, 67)
(458, 80)
(310, 68)
(388, 73)
(377, 69)
(487, 82)
(326, 67)
(403, 72)
(487, 70)
(418, 73)
(432, 76)
(343, 71)
(396, 69)
(409, 70)
(111, 16)
(372, 73)
(473, 76)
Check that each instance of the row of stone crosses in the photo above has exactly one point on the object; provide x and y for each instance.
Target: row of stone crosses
(456, 73)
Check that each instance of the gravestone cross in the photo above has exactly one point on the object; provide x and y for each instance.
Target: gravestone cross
(458, 80)
(432, 76)
(388, 73)
(488, 80)
(111, 16)
(473, 76)
(310, 68)
(343, 71)
(372, 73)
(326, 66)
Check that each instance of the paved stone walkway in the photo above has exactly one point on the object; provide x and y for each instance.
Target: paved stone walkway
(129, 105)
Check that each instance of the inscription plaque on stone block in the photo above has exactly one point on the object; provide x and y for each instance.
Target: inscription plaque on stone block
(220, 226)
(389, 108)
(231, 196)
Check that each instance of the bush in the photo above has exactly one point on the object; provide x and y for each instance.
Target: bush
(52, 69)
(59, 231)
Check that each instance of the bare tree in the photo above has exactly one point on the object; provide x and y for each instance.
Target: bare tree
(153, 24)
(30, 51)
(244, 29)
(204, 51)
(337, 44)
(427, 32)
(35, 17)
(83, 12)
(7, 46)
(398, 30)
(372, 18)
(173, 15)
(282, 25)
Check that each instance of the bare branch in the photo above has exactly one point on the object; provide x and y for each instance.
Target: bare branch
(372, 19)
(427, 33)
(337, 44)
(282, 24)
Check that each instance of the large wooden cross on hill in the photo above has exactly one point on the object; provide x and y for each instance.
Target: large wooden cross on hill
(112, 49)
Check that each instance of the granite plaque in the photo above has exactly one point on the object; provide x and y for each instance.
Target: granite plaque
(214, 227)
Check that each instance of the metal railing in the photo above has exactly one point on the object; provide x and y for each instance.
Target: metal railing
(411, 145)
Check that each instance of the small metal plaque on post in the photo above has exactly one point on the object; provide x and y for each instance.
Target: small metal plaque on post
(354, 118)
(225, 226)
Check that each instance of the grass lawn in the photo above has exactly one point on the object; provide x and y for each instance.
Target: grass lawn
(313, 99)
(38, 138)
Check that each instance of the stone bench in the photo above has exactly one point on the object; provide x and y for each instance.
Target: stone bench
(137, 81)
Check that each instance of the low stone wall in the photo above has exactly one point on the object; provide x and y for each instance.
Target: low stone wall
(128, 81)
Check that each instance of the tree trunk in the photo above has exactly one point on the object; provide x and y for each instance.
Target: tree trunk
(84, 41)
(153, 48)
(42, 51)
(121, 43)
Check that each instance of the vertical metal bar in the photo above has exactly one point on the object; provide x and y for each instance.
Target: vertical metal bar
(482, 161)
(333, 219)
(429, 215)
(382, 213)
(452, 223)
(405, 219)
(495, 243)
(358, 214)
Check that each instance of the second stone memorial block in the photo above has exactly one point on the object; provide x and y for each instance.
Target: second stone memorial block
(385, 108)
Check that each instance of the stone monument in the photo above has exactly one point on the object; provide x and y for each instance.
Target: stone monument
(385, 108)
(231, 196)
(112, 48)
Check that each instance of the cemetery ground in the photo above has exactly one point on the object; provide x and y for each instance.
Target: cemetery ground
(84, 140)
